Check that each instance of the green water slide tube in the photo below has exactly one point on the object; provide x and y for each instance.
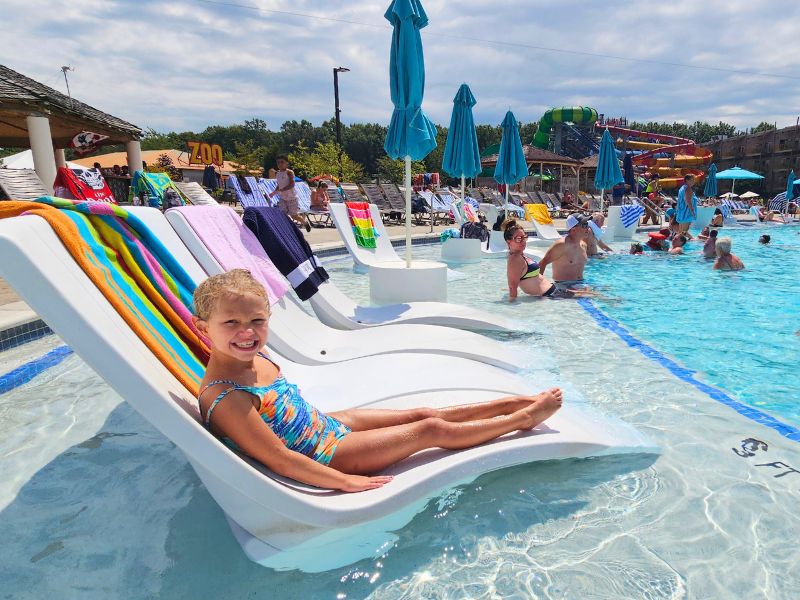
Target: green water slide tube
(579, 115)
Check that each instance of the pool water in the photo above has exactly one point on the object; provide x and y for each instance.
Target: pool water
(101, 505)
(739, 330)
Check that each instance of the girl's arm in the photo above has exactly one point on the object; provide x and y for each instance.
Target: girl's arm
(238, 419)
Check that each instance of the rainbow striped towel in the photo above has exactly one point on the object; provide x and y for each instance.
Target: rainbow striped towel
(135, 272)
(361, 221)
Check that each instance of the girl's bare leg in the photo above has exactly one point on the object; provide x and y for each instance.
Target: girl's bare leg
(366, 452)
(362, 419)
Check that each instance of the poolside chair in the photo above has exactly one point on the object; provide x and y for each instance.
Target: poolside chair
(254, 196)
(397, 200)
(218, 240)
(438, 210)
(375, 195)
(278, 522)
(195, 193)
(21, 184)
(351, 192)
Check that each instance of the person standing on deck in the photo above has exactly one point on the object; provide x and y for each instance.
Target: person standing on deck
(285, 180)
(687, 205)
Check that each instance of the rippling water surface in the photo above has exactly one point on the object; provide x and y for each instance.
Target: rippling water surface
(96, 504)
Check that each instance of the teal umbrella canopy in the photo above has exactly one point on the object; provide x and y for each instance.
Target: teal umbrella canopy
(410, 133)
(461, 155)
(737, 173)
(790, 187)
(710, 190)
(608, 172)
(511, 165)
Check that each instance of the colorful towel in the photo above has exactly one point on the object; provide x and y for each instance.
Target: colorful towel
(629, 214)
(287, 248)
(154, 185)
(234, 246)
(538, 213)
(136, 274)
(82, 184)
(361, 221)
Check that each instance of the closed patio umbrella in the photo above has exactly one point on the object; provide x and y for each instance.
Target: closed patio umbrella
(627, 172)
(411, 135)
(511, 164)
(710, 189)
(789, 192)
(608, 173)
(461, 155)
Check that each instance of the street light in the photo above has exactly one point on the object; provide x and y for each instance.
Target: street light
(336, 71)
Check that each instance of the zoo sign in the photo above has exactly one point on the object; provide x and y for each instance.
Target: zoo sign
(203, 153)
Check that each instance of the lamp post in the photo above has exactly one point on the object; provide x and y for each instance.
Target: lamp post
(336, 71)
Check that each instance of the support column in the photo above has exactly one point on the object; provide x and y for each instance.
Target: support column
(61, 159)
(134, 149)
(44, 160)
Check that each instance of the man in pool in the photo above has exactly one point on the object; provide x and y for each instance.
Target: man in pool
(568, 255)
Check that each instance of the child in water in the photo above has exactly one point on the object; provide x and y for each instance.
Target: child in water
(245, 400)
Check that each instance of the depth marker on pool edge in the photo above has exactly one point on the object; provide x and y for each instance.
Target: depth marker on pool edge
(687, 375)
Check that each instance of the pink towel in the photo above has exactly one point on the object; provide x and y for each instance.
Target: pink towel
(234, 246)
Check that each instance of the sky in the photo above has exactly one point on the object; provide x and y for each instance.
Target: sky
(185, 64)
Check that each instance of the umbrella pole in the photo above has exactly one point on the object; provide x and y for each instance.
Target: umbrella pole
(602, 200)
(460, 209)
(506, 206)
(408, 211)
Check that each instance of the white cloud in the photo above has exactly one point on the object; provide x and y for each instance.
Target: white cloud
(185, 64)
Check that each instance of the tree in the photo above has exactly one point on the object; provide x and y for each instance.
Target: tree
(248, 158)
(324, 160)
(762, 127)
(488, 135)
(433, 162)
(364, 143)
(393, 171)
(164, 165)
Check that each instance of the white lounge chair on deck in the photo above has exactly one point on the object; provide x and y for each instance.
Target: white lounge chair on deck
(195, 193)
(303, 339)
(279, 523)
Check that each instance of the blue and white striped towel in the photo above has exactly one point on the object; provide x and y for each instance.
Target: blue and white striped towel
(726, 211)
(629, 214)
(778, 202)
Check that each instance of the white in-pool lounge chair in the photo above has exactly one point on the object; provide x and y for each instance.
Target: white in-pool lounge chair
(279, 523)
(621, 225)
(303, 339)
(497, 247)
(337, 310)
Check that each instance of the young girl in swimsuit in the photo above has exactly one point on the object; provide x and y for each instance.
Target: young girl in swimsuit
(245, 400)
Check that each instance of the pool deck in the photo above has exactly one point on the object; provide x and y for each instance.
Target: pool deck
(16, 317)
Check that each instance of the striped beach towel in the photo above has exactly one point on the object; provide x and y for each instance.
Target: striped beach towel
(361, 221)
(778, 203)
(252, 196)
(629, 214)
(136, 274)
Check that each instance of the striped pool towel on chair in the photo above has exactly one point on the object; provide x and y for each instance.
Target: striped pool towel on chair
(361, 221)
(629, 214)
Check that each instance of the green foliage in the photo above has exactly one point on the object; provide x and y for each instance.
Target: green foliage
(698, 131)
(488, 135)
(762, 127)
(364, 143)
(324, 160)
(164, 165)
(393, 171)
(248, 158)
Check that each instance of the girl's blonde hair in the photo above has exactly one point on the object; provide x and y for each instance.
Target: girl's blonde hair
(236, 281)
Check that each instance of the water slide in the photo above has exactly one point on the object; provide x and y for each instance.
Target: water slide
(685, 157)
(578, 115)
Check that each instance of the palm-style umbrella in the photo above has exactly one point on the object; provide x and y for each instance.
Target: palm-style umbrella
(710, 190)
(411, 135)
(461, 155)
(511, 164)
(608, 174)
(737, 173)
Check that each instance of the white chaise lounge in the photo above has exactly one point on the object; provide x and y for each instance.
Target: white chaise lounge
(302, 338)
(278, 523)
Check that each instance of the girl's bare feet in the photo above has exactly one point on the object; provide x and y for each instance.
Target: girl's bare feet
(541, 407)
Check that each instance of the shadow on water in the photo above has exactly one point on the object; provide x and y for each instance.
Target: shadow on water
(122, 514)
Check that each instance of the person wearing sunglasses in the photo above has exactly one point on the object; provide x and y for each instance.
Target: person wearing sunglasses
(568, 255)
(523, 272)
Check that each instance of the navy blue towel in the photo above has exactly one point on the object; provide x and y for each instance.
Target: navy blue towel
(287, 248)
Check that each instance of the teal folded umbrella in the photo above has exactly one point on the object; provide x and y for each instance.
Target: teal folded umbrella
(462, 157)
(608, 172)
(789, 191)
(411, 134)
(511, 164)
(710, 190)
